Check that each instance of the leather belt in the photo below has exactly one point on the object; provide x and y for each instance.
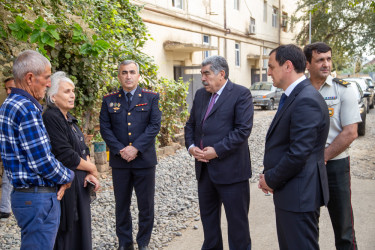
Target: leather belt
(37, 190)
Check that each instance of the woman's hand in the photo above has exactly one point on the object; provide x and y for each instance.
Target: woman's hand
(94, 170)
(94, 180)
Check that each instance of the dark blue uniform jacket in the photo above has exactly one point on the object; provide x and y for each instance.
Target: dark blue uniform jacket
(136, 126)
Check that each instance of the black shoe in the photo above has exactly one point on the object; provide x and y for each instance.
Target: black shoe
(4, 215)
(128, 247)
(144, 248)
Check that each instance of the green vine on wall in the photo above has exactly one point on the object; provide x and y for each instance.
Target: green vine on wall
(87, 39)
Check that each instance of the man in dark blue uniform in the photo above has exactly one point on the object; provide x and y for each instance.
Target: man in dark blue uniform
(129, 122)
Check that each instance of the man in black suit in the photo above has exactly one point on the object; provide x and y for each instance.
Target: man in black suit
(216, 134)
(129, 122)
(294, 168)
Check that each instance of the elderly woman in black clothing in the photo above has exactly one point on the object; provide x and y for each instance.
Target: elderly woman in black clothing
(69, 147)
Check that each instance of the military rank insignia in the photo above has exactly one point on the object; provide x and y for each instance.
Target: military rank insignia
(341, 82)
(331, 111)
(141, 104)
(115, 106)
(330, 97)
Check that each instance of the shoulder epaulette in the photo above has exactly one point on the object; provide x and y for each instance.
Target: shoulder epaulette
(112, 93)
(341, 82)
(149, 91)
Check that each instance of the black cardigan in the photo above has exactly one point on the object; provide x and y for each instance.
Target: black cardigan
(68, 146)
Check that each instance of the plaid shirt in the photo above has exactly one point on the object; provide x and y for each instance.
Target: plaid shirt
(25, 146)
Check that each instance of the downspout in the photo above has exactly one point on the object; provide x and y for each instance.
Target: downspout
(279, 22)
(225, 28)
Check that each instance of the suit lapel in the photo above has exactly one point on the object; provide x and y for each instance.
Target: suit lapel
(287, 103)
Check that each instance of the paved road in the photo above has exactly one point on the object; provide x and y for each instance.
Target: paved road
(263, 228)
(262, 218)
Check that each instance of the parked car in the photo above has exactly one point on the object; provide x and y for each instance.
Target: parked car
(362, 105)
(265, 95)
(370, 84)
(366, 90)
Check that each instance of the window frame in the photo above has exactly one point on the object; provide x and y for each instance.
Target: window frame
(237, 54)
(179, 4)
(236, 4)
(206, 53)
(275, 14)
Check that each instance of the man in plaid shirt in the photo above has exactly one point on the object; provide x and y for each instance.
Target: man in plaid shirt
(39, 180)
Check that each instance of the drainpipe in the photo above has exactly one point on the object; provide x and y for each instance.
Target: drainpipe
(225, 28)
(280, 12)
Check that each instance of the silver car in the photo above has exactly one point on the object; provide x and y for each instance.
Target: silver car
(366, 90)
(265, 95)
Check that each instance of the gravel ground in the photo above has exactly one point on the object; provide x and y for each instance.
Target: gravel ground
(176, 202)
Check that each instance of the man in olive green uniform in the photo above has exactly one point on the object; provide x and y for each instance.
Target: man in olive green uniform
(344, 118)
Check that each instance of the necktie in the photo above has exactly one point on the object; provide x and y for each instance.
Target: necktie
(209, 108)
(210, 105)
(282, 101)
(129, 96)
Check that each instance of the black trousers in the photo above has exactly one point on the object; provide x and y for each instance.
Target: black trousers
(143, 181)
(297, 231)
(339, 205)
(236, 200)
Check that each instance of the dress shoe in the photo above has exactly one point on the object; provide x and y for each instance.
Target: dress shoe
(128, 247)
(144, 248)
(4, 215)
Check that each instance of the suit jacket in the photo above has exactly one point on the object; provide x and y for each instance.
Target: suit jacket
(227, 129)
(294, 154)
(136, 126)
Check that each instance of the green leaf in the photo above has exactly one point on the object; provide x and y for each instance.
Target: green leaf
(103, 45)
(35, 36)
(39, 21)
(54, 34)
(45, 37)
(3, 33)
(85, 48)
(50, 42)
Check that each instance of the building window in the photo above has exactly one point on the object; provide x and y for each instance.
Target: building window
(237, 54)
(284, 21)
(274, 16)
(265, 61)
(236, 4)
(252, 27)
(206, 41)
(265, 11)
(178, 4)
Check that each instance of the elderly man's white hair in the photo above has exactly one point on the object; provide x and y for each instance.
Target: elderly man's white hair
(29, 61)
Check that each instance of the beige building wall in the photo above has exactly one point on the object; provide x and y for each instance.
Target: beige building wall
(178, 33)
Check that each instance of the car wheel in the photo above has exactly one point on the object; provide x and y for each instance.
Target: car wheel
(362, 127)
(372, 104)
(368, 106)
(263, 107)
(271, 105)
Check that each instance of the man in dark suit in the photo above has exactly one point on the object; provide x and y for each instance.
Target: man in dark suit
(129, 122)
(294, 168)
(216, 134)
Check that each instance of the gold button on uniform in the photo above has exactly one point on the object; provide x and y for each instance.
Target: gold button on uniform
(130, 133)
(130, 144)
(129, 124)
(129, 113)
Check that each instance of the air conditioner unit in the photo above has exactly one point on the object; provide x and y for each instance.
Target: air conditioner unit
(284, 23)
(252, 29)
